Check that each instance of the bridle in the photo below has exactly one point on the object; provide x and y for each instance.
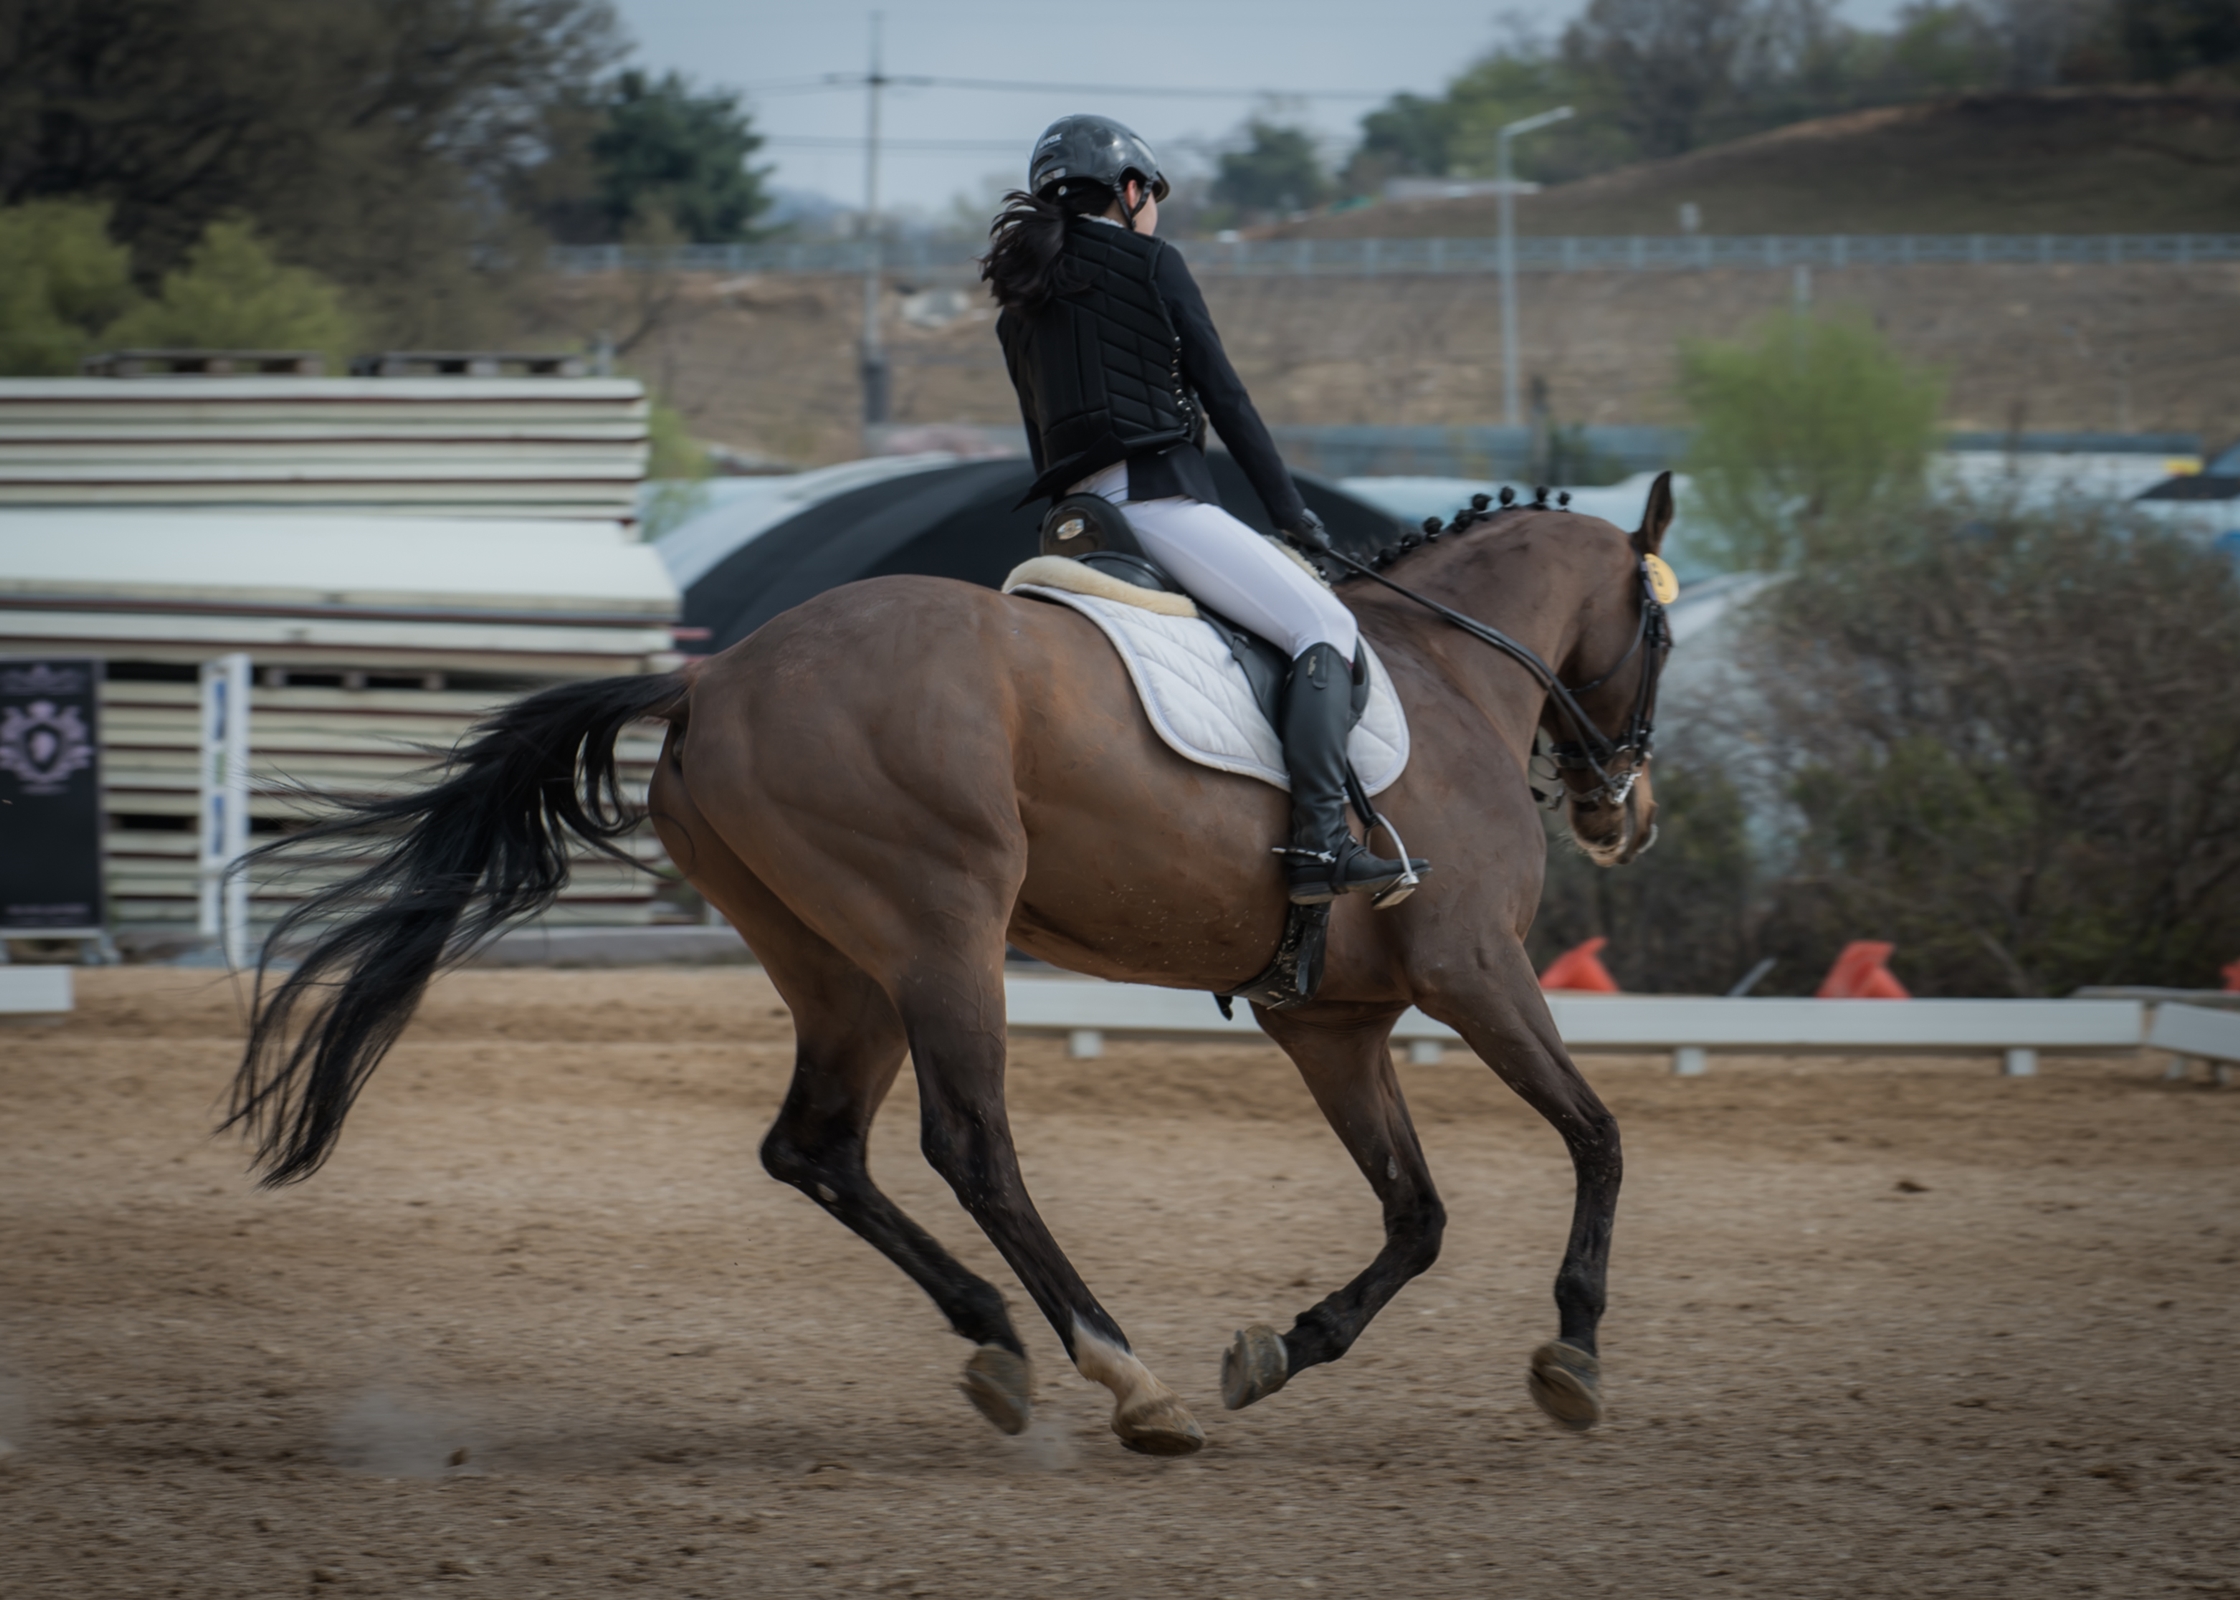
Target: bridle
(1589, 750)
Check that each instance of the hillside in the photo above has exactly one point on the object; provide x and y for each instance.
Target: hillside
(2062, 161)
(768, 364)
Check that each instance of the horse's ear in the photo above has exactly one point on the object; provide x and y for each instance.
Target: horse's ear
(1656, 516)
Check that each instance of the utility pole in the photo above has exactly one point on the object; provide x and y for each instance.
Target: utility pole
(874, 351)
(1511, 412)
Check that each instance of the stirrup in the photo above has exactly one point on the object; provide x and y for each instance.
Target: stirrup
(1409, 881)
(1391, 893)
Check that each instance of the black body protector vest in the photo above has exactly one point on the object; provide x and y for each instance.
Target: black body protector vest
(1099, 365)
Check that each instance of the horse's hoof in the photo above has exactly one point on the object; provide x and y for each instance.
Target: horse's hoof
(1158, 1425)
(1566, 1383)
(1000, 1387)
(1254, 1366)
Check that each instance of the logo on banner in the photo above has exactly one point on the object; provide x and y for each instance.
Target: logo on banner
(42, 744)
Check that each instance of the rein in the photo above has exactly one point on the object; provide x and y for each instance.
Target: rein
(1590, 750)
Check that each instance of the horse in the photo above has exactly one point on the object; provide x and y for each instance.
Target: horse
(886, 786)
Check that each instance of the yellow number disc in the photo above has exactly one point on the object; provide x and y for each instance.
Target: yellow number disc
(1662, 583)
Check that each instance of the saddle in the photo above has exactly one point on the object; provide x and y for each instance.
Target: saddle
(1095, 532)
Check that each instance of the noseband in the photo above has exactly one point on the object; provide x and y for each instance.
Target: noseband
(1589, 750)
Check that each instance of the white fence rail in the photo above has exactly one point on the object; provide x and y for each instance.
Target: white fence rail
(35, 991)
(1691, 1027)
(2188, 1032)
(1357, 258)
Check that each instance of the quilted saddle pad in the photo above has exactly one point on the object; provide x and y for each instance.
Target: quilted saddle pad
(1201, 705)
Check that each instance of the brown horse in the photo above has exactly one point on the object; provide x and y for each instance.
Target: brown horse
(886, 785)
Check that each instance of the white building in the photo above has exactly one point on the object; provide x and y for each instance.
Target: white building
(396, 555)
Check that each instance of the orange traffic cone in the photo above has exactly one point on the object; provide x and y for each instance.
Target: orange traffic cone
(2232, 978)
(1859, 974)
(1581, 968)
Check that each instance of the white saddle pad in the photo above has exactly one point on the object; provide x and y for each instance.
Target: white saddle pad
(1201, 704)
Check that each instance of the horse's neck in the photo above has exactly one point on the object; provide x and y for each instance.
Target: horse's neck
(1527, 587)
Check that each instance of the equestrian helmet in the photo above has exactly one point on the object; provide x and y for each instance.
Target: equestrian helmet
(1095, 150)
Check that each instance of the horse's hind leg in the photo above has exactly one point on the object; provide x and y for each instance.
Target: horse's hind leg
(1348, 1069)
(953, 1008)
(1503, 1016)
(849, 1044)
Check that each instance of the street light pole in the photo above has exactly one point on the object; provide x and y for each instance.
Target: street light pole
(874, 352)
(1506, 187)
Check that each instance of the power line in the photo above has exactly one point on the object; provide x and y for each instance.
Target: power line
(856, 141)
(851, 80)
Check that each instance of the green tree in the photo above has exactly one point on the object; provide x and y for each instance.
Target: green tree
(1802, 433)
(1944, 49)
(1510, 85)
(232, 295)
(1278, 171)
(62, 280)
(367, 141)
(1454, 134)
(1409, 134)
(665, 148)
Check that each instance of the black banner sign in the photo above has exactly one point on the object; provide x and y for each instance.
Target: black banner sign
(50, 795)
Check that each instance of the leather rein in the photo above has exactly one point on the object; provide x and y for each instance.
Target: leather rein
(1590, 750)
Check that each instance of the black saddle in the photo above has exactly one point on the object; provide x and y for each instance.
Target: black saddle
(1093, 531)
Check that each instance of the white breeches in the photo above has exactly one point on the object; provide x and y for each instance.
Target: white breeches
(1219, 560)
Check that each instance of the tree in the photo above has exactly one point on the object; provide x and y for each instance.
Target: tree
(1455, 133)
(62, 281)
(2165, 39)
(366, 140)
(1944, 48)
(1279, 171)
(664, 148)
(2013, 748)
(1407, 134)
(232, 295)
(1802, 433)
(1664, 68)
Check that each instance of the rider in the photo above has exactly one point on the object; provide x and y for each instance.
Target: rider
(1118, 370)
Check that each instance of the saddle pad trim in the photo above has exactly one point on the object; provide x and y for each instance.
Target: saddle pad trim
(1263, 757)
(1063, 572)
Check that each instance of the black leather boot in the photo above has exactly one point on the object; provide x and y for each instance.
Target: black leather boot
(1324, 860)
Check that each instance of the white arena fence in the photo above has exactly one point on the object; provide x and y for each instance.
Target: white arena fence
(1690, 1027)
(1371, 258)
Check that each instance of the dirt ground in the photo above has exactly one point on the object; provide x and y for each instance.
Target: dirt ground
(544, 1328)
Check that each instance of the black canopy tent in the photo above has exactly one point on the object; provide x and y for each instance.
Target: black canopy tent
(947, 522)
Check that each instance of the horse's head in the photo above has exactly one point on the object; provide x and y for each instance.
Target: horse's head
(1614, 665)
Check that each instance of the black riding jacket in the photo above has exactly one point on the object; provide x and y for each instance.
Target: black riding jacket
(1123, 365)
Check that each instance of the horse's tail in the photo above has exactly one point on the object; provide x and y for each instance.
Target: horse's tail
(485, 844)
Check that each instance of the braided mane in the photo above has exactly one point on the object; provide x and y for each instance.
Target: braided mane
(1480, 510)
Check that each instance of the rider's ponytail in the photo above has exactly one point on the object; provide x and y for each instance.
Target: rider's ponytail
(1027, 242)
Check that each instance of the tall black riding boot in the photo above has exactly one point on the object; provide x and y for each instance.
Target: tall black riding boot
(1323, 859)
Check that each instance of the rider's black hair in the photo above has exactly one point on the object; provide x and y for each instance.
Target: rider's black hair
(1027, 239)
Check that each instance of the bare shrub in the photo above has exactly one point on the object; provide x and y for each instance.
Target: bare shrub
(2013, 746)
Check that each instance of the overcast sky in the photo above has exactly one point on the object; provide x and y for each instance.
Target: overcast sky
(942, 142)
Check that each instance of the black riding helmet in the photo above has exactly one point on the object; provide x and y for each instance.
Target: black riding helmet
(1091, 149)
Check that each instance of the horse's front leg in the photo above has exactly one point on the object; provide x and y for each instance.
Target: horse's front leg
(1348, 1068)
(955, 1021)
(1496, 1004)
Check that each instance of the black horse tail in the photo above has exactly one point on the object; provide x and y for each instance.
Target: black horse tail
(485, 844)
